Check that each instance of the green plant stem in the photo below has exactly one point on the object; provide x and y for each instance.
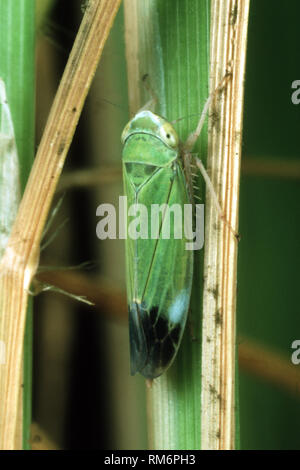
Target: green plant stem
(17, 69)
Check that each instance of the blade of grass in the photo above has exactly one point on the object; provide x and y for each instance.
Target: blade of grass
(17, 69)
(20, 260)
(169, 41)
(229, 21)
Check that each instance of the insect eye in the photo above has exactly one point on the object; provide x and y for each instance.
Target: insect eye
(168, 135)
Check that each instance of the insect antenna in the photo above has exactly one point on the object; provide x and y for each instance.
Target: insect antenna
(151, 104)
(185, 117)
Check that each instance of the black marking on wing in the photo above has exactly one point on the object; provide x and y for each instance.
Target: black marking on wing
(153, 340)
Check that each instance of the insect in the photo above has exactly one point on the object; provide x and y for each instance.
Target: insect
(158, 299)
(159, 271)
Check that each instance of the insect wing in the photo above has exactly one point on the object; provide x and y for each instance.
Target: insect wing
(159, 270)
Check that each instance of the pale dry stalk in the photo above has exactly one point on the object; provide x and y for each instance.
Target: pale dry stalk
(229, 22)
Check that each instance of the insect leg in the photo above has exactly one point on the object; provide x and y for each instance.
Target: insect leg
(190, 142)
(192, 138)
(214, 196)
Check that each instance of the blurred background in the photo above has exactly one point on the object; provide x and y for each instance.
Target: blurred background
(84, 397)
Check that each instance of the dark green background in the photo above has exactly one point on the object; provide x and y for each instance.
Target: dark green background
(268, 267)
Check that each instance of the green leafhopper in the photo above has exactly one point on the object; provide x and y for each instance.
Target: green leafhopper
(159, 271)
